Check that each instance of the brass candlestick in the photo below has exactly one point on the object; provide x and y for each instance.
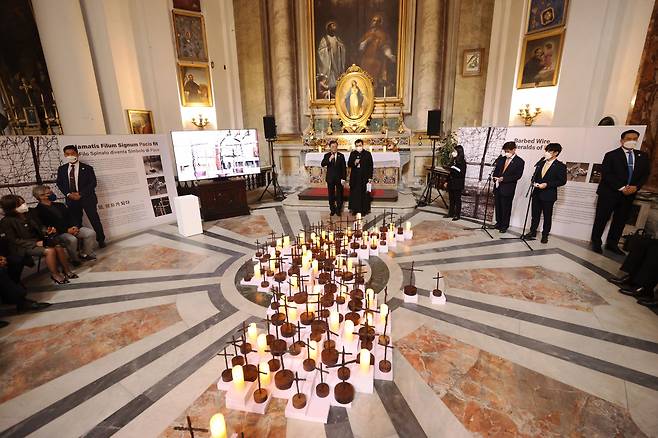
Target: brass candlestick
(527, 115)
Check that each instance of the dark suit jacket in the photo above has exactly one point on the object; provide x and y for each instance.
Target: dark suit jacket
(366, 166)
(457, 175)
(21, 233)
(336, 170)
(614, 172)
(556, 176)
(512, 174)
(86, 182)
(57, 215)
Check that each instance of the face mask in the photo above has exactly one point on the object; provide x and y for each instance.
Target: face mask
(359, 148)
(630, 145)
(509, 154)
(71, 159)
(22, 208)
(454, 153)
(548, 155)
(52, 197)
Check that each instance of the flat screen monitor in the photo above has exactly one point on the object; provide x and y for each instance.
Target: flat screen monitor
(214, 154)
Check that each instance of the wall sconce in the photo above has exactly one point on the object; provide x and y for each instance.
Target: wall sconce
(201, 123)
(527, 115)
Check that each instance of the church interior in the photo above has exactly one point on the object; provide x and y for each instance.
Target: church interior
(340, 218)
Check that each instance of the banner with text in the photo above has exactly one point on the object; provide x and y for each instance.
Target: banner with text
(582, 152)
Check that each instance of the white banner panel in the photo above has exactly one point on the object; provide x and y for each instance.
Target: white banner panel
(582, 152)
(136, 183)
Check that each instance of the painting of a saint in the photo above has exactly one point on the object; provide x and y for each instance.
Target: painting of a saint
(190, 33)
(354, 101)
(367, 33)
(546, 14)
(195, 86)
(540, 63)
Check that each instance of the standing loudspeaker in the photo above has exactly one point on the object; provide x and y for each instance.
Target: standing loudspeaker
(270, 127)
(434, 123)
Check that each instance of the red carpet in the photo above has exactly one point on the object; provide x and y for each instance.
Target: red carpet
(320, 193)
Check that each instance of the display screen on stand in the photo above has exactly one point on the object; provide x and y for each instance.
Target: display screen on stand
(215, 154)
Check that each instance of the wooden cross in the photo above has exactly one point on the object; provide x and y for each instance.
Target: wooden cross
(189, 428)
(437, 278)
(342, 353)
(322, 372)
(273, 238)
(386, 347)
(297, 380)
(234, 343)
(411, 272)
(226, 355)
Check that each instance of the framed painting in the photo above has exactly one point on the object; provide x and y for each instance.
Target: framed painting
(140, 121)
(195, 85)
(190, 36)
(355, 99)
(546, 14)
(472, 60)
(188, 5)
(368, 33)
(540, 59)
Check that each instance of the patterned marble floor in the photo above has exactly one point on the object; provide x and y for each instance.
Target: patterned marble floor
(530, 344)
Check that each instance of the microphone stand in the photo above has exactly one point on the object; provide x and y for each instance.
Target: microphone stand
(486, 208)
(528, 194)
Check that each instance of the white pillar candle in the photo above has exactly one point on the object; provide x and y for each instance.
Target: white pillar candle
(252, 333)
(279, 242)
(217, 426)
(350, 264)
(286, 241)
(331, 236)
(238, 377)
(272, 265)
(315, 267)
(312, 236)
(313, 350)
(293, 281)
(264, 368)
(292, 314)
(324, 234)
(301, 238)
(364, 360)
(408, 226)
(261, 341)
(348, 331)
(257, 271)
(383, 311)
(334, 321)
(340, 262)
(358, 216)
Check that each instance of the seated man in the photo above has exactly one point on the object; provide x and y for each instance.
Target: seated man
(71, 235)
(641, 265)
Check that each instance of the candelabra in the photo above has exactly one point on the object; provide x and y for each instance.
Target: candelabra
(201, 123)
(527, 115)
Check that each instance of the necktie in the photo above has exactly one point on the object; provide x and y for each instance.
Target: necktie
(72, 186)
(545, 168)
(507, 161)
(631, 163)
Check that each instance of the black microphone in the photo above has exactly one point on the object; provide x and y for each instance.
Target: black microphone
(495, 162)
(541, 160)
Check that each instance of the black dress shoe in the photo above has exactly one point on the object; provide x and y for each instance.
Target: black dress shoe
(3, 324)
(530, 235)
(614, 249)
(502, 230)
(620, 281)
(633, 291)
(102, 244)
(496, 226)
(544, 238)
(649, 302)
(597, 248)
(456, 218)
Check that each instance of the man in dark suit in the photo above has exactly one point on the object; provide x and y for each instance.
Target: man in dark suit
(548, 176)
(77, 181)
(334, 161)
(507, 172)
(623, 172)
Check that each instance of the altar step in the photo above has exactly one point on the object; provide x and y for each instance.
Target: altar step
(321, 194)
(405, 202)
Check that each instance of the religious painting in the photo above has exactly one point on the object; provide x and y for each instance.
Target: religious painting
(195, 86)
(355, 98)
(190, 35)
(540, 59)
(188, 5)
(546, 14)
(367, 33)
(140, 121)
(472, 62)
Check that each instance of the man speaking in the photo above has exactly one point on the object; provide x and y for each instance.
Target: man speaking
(506, 173)
(623, 172)
(334, 161)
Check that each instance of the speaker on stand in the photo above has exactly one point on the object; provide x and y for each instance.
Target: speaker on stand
(433, 132)
(269, 126)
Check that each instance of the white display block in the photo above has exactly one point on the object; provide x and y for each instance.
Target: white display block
(363, 254)
(188, 215)
(374, 252)
(362, 381)
(399, 237)
(410, 299)
(383, 249)
(408, 234)
(438, 300)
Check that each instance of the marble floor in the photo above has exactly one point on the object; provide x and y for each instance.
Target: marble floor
(530, 344)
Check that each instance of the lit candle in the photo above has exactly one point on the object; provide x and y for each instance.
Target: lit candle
(324, 234)
(340, 262)
(348, 331)
(238, 377)
(312, 236)
(252, 333)
(286, 241)
(390, 235)
(315, 266)
(257, 271)
(293, 281)
(292, 313)
(261, 341)
(301, 238)
(331, 236)
(408, 226)
(384, 92)
(364, 360)
(272, 265)
(350, 264)
(313, 350)
(264, 369)
(369, 318)
(217, 426)
(279, 242)
(383, 311)
(334, 321)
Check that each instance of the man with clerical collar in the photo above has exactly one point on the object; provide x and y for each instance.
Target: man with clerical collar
(361, 168)
(550, 173)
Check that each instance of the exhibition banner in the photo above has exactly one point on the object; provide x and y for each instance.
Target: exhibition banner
(582, 152)
(134, 174)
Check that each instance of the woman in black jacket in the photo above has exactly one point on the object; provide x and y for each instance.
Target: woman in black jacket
(455, 184)
(28, 238)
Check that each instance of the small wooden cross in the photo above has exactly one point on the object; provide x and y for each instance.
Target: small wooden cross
(411, 272)
(189, 428)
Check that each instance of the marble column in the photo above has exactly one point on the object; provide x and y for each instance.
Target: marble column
(70, 67)
(283, 65)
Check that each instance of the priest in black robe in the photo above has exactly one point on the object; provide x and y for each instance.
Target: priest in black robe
(361, 167)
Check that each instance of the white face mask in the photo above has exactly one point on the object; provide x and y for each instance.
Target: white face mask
(454, 153)
(548, 155)
(359, 148)
(509, 154)
(630, 145)
(71, 159)
(22, 208)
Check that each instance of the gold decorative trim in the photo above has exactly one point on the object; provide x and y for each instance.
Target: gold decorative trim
(355, 99)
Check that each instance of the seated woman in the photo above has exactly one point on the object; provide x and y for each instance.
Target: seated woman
(27, 237)
(71, 234)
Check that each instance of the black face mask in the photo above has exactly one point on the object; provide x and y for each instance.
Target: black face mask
(52, 197)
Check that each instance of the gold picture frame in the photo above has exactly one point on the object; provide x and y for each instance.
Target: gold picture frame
(190, 36)
(197, 90)
(472, 60)
(355, 99)
(140, 121)
(541, 55)
(393, 96)
(544, 15)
